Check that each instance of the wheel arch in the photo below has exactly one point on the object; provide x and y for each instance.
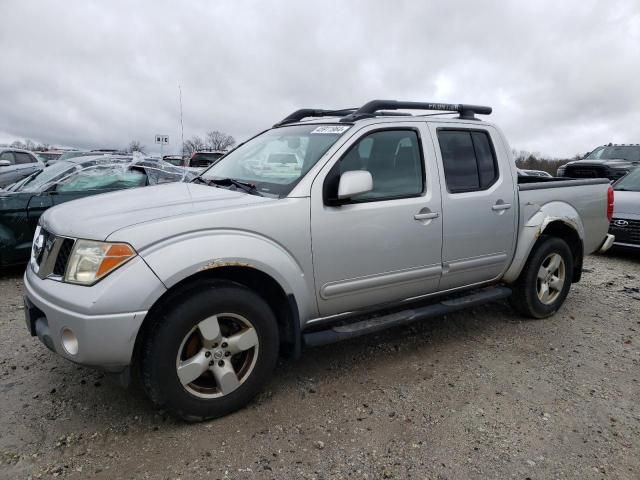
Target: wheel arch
(564, 223)
(283, 305)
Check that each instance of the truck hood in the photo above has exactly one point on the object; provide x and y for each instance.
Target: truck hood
(98, 216)
(626, 203)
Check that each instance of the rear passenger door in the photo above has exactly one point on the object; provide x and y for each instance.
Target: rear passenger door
(478, 203)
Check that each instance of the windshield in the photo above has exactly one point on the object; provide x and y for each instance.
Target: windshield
(630, 182)
(277, 159)
(624, 152)
(34, 182)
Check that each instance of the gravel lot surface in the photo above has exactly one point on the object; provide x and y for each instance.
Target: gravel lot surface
(479, 394)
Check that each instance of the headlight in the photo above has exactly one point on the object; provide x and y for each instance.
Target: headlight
(90, 260)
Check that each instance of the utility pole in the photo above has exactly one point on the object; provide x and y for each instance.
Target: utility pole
(181, 123)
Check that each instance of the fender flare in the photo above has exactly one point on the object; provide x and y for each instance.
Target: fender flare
(535, 226)
(175, 259)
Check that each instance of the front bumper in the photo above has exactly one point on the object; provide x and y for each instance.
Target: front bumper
(95, 326)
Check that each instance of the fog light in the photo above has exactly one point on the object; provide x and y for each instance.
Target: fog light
(69, 341)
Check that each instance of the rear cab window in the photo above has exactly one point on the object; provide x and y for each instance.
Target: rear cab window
(468, 158)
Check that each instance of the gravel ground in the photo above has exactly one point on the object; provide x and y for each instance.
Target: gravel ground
(479, 394)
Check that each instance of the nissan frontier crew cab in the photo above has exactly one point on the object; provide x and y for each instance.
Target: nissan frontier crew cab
(330, 225)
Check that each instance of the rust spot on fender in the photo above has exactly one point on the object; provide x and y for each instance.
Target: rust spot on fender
(222, 263)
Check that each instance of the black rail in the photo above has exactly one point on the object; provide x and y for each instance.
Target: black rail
(375, 108)
(313, 112)
(369, 109)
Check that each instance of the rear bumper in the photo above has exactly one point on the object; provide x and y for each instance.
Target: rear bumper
(627, 245)
(608, 242)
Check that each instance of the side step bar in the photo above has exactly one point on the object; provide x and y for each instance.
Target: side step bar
(404, 317)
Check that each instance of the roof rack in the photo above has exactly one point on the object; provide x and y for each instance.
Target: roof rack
(313, 112)
(369, 109)
(375, 108)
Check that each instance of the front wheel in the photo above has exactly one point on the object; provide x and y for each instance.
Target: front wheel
(544, 282)
(210, 354)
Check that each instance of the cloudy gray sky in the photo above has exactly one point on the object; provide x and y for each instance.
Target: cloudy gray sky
(562, 77)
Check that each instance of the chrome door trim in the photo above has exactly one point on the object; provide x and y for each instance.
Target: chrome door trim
(358, 285)
(478, 262)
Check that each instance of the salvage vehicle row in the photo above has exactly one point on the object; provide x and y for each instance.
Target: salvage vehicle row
(22, 203)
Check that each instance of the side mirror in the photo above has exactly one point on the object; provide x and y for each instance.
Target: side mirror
(5, 163)
(354, 183)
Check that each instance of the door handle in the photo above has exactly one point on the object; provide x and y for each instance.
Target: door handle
(501, 206)
(426, 216)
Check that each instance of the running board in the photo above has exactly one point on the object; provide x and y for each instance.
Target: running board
(404, 317)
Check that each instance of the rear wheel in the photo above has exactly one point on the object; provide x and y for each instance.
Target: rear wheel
(545, 280)
(210, 354)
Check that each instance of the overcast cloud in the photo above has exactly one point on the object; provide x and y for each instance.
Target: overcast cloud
(562, 77)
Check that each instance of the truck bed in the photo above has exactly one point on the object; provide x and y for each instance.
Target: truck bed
(536, 183)
(586, 196)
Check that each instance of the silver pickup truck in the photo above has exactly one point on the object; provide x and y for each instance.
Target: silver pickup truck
(330, 225)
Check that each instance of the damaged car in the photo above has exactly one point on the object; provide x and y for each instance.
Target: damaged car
(22, 203)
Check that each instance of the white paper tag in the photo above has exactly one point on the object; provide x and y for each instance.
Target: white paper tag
(331, 129)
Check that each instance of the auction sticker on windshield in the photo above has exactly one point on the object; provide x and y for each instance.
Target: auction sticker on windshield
(331, 129)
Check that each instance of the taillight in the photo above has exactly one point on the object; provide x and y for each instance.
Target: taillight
(610, 203)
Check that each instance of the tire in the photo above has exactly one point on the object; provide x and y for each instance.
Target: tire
(188, 367)
(529, 297)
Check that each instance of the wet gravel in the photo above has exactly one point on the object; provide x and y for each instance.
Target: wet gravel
(478, 394)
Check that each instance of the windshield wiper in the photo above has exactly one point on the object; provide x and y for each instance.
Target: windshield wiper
(200, 179)
(245, 186)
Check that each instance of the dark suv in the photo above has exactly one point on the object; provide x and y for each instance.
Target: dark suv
(204, 159)
(611, 161)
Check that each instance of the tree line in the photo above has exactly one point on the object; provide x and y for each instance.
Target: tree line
(535, 161)
(30, 145)
(213, 140)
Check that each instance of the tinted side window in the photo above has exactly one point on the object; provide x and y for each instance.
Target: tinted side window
(487, 167)
(22, 158)
(394, 160)
(468, 159)
(459, 159)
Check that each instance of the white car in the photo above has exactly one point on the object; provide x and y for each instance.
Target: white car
(535, 173)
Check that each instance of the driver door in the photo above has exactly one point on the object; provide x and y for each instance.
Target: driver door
(385, 245)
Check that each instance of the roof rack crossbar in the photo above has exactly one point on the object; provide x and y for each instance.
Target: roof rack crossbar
(313, 112)
(369, 109)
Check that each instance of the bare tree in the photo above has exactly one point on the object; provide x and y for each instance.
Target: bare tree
(29, 144)
(219, 141)
(136, 146)
(194, 144)
(535, 161)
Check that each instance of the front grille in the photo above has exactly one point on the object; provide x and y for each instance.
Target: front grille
(44, 242)
(585, 172)
(51, 255)
(629, 233)
(63, 257)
